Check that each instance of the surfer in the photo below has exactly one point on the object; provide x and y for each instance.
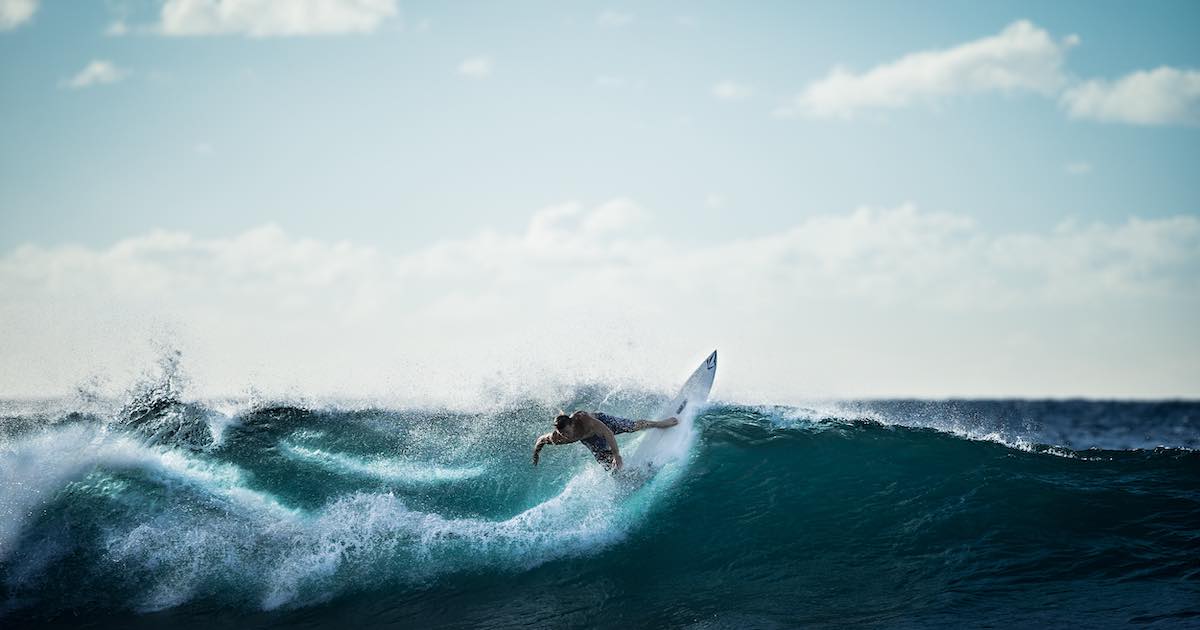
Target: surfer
(597, 431)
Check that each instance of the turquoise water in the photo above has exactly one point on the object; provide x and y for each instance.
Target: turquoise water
(887, 514)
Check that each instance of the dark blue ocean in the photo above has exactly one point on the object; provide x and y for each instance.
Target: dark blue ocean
(156, 512)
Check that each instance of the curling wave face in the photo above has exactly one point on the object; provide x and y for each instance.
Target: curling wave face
(879, 513)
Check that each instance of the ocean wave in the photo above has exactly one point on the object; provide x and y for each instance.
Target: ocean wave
(295, 507)
(38, 467)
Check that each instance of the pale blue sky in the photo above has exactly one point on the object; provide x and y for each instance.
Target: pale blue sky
(376, 136)
(927, 199)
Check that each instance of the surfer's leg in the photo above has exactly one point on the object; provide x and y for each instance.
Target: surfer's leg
(654, 424)
(617, 424)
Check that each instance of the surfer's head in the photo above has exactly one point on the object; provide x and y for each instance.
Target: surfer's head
(565, 424)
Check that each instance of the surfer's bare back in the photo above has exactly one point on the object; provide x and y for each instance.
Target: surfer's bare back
(597, 431)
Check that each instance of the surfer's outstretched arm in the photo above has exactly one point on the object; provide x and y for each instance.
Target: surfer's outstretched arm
(549, 438)
(537, 446)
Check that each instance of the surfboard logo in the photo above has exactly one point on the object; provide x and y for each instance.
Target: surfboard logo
(711, 363)
(681, 406)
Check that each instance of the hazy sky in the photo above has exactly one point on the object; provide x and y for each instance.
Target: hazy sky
(375, 198)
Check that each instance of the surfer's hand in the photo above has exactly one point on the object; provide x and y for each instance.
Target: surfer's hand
(537, 447)
(670, 422)
(617, 463)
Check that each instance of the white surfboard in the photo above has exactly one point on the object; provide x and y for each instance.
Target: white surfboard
(660, 446)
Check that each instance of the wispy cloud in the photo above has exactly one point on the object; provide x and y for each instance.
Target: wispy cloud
(273, 18)
(1161, 96)
(117, 28)
(731, 91)
(14, 13)
(614, 19)
(568, 279)
(1022, 57)
(98, 72)
(476, 67)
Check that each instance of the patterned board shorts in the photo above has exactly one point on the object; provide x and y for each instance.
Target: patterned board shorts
(598, 445)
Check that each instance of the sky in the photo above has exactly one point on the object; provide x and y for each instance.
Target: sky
(374, 198)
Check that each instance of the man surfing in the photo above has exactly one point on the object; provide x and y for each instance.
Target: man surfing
(597, 431)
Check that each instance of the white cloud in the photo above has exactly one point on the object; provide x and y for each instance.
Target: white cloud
(614, 19)
(98, 72)
(273, 18)
(877, 300)
(14, 13)
(118, 28)
(1022, 57)
(476, 67)
(1161, 96)
(1078, 168)
(731, 91)
(612, 216)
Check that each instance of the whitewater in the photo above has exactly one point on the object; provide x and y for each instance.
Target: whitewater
(156, 509)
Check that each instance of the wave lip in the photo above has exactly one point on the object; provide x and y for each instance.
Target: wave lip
(383, 468)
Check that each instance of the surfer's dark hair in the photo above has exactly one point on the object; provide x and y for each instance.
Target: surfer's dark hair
(561, 421)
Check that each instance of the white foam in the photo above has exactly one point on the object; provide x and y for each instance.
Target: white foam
(34, 469)
(219, 534)
(298, 558)
(584, 518)
(385, 468)
(31, 470)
